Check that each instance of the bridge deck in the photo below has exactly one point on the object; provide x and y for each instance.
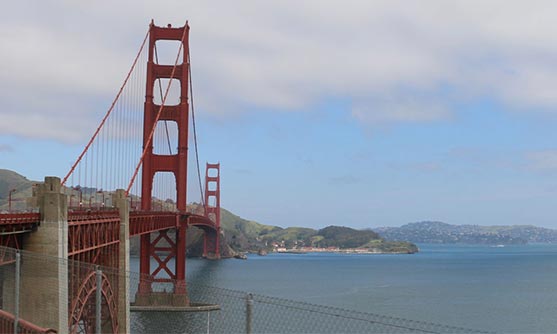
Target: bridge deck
(14, 223)
(94, 229)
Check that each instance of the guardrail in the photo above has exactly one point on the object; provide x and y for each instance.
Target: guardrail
(7, 322)
(19, 218)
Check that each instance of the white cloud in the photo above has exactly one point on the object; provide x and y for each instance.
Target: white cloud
(399, 109)
(6, 148)
(543, 160)
(392, 59)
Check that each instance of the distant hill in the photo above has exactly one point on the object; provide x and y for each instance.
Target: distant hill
(344, 237)
(239, 235)
(438, 232)
(243, 235)
(23, 189)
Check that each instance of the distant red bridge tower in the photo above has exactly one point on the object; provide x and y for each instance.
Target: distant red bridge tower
(211, 245)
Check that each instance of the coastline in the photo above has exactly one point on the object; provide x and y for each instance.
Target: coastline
(335, 250)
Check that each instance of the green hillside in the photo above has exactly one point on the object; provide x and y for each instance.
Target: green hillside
(290, 235)
(344, 237)
(244, 235)
(239, 234)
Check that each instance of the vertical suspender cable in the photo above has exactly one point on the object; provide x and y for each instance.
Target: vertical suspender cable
(108, 112)
(120, 130)
(86, 174)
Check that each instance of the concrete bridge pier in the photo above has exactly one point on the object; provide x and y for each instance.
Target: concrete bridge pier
(121, 202)
(44, 278)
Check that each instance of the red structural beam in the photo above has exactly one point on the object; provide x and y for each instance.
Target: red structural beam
(12, 226)
(151, 221)
(85, 236)
(141, 222)
(25, 327)
(90, 230)
(201, 221)
(82, 216)
(19, 218)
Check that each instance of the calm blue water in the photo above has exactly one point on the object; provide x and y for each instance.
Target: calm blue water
(510, 289)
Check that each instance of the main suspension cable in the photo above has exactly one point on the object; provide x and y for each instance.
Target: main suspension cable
(195, 132)
(108, 112)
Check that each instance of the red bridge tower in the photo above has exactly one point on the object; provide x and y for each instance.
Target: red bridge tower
(173, 248)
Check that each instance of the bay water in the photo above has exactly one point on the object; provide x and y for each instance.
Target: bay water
(502, 289)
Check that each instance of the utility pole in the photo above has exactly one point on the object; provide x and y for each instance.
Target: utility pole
(10, 200)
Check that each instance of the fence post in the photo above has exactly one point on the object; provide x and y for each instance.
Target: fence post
(208, 321)
(98, 303)
(249, 312)
(17, 287)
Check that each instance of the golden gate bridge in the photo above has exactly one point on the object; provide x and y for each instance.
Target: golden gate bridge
(131, 179)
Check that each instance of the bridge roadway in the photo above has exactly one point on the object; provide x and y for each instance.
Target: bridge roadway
(89, 229)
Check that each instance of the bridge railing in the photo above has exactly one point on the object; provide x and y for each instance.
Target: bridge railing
(87, 215)
(19, 218)
(7, 321)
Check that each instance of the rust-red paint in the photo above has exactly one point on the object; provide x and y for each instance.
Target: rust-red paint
(175, 163)
(212, 194)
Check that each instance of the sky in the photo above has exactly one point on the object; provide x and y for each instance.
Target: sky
(353, 113)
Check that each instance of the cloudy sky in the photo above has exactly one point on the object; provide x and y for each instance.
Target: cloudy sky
(351, 113)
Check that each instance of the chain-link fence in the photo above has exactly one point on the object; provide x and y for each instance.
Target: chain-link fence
(41, 294)
(32, 292)
(232, 311)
